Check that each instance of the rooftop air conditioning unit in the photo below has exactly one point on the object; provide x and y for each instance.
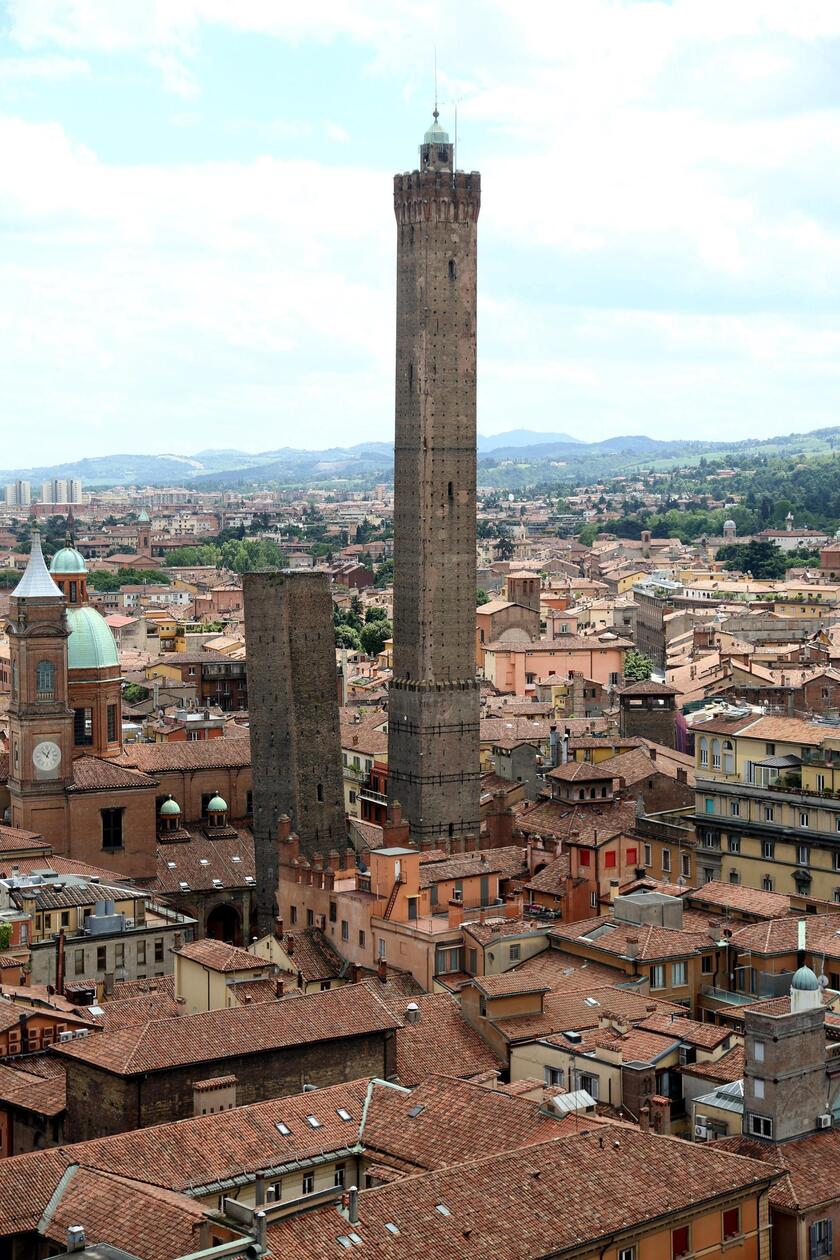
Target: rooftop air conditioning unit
(701, 1133)
(65, 1036)
(82, 1032)
(824, 1121)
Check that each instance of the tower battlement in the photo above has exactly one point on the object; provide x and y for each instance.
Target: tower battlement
(440, 196)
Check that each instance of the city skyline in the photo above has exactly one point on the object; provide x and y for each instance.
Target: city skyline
(206, 262)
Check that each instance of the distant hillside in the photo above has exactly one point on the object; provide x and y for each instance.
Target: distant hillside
(517, 459)
(523, 437)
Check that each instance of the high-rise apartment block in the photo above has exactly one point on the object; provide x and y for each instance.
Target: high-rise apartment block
(18, 494)
(294, 720)
(433, 727)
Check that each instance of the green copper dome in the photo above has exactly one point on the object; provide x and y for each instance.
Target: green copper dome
(91, 644)
(217, 806)
(805, 979)
(170, 808)
(68, 560)
(143, 517)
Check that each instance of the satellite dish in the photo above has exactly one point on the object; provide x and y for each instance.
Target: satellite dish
(823, 981)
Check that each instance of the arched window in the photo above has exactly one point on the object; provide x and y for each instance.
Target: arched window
(704, 751)
(45, 680)
(728, 757)
(716, 754)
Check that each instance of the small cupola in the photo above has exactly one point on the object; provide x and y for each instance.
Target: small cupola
(217, 811)
(170, 815)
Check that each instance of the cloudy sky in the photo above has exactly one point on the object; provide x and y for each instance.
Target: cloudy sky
(197, 239)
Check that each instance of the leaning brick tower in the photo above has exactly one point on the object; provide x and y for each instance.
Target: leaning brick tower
(433, 721)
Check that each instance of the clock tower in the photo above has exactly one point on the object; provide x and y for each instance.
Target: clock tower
(40, 719)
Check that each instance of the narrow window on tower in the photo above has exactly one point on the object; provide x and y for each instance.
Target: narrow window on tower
(320, 793)
(451, 268)
(45, 680)
(450, 496)
(411, 378)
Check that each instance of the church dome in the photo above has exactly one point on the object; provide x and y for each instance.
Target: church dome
(68, 560)
(91, 644)
(170, 808)
(143, 518)
(217, 805)
(729, 525)
(805, 980)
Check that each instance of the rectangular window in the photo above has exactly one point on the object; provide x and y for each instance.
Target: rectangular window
(141, 953)
(585, 857)
(657, 976)
(472, 954)
(101, 957)
(433, 894)
(514, 953)
(159, 950)
(308, 1184)
(769, 813)
(768, 849)
(112, 723)
(735, 808)
(293, 915)
(803, 855)
(588, 1082)
(803, 818)
(731, 1223)
(79, 962)
(758, 1087)
(707, 964)
(82, 727)
(734, 844)
(112, 828)
(361, 938)
(627, 1253)
(710, 805)
(648, 855)
(609, 859)
(412, 909)
(310, 918)
(767, 883)
(760, 1126)
(339, 1175)
(685, 865)
(680, 1242)
(819, 1239)
(555, 1076)
(679, 974)
(333, 912)
(345, 930)
(820, 782)
(632, 856)
(119, 954)
(666, 860)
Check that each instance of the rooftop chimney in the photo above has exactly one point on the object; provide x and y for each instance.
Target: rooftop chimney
(382, 970)
(353, 1206)
(76, 1238)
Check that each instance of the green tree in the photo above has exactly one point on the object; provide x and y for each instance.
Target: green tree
(100, 580)
(133, 693)
(9, 578)
(374, 636)
(347, 637)
(383, 575)
(764, 560)
(481, 597)
(5, 935)
(375, 614)
(637, 666)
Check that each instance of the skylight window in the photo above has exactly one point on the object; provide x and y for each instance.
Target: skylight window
(592, 1002)
(345, 1242)
(283, 1129)
(314, 1122)
(183, 885)
(417, 1110)
(443, 1209)
(236, 858)
(171, 865)
(391, 1227)
(343, 1113)
(354, 1237)
(204, 861)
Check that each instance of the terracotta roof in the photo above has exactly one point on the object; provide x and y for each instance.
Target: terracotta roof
(461, 866)
(648, 687)
(564, 973)
(653, 942)
(507, 1205)
(60, 866)
(581, 1009)
(580, 772)
(509, 982)
(692, 1031)
(781, 936)
(500, 927)
(202, 754)
(13, 838)
(218, 956)
(128, 1012)
(441, 1039)
(811, 1165)
(728, 1068)
(552, 878)
(589, 824)
(56, 896)
(637, 764)
(199, 860)
(211, 1036)
(144, 1220)
(37, 1084)
(636, 1045)
(740, 897)
(314, 955)
(92, 774)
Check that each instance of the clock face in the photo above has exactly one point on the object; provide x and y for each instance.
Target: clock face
(46, 755)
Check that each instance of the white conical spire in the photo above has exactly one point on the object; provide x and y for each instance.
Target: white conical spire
(36, 582)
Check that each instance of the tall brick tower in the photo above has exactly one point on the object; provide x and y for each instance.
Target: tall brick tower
(433, 735)
(293, 706)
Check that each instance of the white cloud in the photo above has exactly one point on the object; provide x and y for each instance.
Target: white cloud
(23, 69)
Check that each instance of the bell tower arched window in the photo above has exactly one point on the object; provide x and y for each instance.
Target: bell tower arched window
(45, 680)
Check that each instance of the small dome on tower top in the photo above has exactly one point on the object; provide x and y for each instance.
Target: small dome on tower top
(170, 808)
(68, 560)
(436, 134)
(805, 980)
(729, 525)
(218, 805)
